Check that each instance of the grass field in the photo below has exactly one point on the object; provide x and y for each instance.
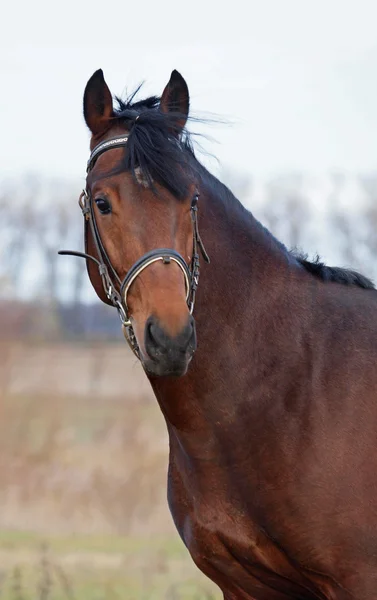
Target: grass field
(98, 568)
(83, 509)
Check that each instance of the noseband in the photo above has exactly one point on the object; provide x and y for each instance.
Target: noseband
(117, 290)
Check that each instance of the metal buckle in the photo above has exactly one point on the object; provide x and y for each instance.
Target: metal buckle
(109, 292)
(130, 338)
(122, 313)
(83, 204)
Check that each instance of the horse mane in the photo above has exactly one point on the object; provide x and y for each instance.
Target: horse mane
(159, 148)
(335, 274)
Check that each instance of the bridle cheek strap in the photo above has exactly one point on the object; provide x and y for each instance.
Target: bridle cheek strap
(117, 292)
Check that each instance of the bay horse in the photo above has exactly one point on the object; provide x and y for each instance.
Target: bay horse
(270, 393)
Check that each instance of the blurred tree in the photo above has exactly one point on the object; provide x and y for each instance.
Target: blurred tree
(369, 218)
(38, 218)
(239, 183)
(41, 216)
(286, 210)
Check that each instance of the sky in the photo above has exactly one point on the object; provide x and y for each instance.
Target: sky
(295, 80)
(294, 83)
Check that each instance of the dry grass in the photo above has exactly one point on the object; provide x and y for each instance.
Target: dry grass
(90, 462)
(140, 571)
(69, 465)
(83, 481)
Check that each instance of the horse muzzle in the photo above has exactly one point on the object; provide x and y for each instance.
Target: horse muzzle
(166, 355)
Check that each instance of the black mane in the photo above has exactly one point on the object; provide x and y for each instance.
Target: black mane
(164, 153)
(336, 274)
(157, 146)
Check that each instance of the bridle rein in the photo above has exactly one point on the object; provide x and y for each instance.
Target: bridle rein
(117, 290)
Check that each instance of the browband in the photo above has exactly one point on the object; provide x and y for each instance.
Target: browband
(116, 142)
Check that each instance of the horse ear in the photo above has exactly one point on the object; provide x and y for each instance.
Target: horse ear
(98, 103)
(175, 98)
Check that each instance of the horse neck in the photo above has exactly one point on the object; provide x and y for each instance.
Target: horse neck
(237, 293)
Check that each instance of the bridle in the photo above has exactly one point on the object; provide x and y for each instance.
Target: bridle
(117, 290)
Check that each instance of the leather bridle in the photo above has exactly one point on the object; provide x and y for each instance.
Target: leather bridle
(117, 290)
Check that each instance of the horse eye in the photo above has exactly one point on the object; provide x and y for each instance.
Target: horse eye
(103, 205)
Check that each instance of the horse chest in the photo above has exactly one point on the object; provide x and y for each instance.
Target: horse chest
(229, 547)
(212, 535)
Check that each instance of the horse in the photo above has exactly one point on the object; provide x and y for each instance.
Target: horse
(265, 370)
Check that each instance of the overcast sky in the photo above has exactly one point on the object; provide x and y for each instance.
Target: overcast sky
(297, 77)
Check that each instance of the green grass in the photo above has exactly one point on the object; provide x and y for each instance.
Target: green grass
(109, 544)
(98, 568)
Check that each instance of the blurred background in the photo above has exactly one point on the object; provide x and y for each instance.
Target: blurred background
(83, 449)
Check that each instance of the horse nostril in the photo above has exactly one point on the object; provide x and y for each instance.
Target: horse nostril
(188, 335)
(151, 341)
(150, 338)
(158, 342)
